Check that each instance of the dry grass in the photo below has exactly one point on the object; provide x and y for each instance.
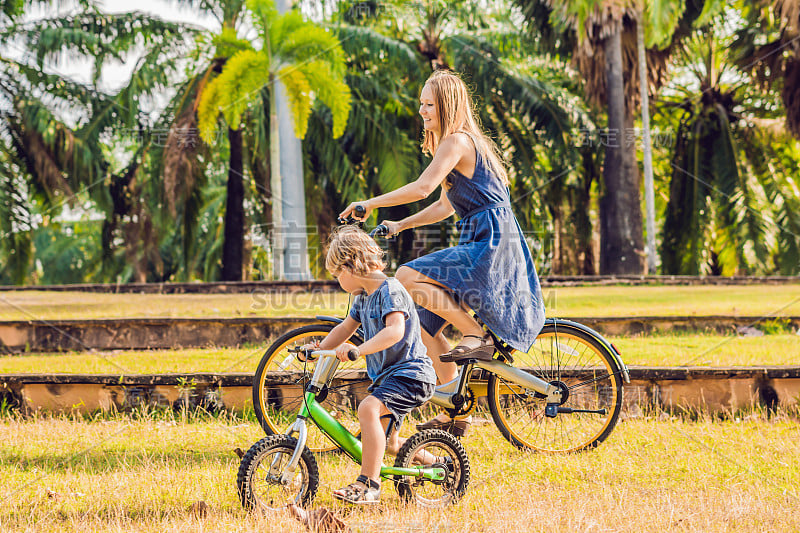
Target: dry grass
(745, 300)
(665, 350)
(651, 475)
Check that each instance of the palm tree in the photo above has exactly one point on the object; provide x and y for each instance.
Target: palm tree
(62, 160)
(185, 161)
(733, 206)
(600, 36)
(768, 49)
(308, 59)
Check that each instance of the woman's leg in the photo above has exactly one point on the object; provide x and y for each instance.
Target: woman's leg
(432, 295)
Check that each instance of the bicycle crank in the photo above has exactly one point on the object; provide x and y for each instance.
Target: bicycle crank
(551, 410)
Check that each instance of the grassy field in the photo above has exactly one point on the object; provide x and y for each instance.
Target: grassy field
(673, 350)
(746, 300)
(655, 474)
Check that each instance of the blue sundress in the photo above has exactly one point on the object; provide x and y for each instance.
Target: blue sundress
(491, 269)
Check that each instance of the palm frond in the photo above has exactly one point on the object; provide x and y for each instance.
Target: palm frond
(100, 36)
(363, 44)
(298, 91)
(16, 225)
(330, 89)
(529, 97)
(310, 42)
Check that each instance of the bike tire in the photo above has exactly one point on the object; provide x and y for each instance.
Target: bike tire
(278, 393)
(428, 493)
(259, 472)
(586, 366)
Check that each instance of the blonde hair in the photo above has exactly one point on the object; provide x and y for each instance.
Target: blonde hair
(351, 248)
(456, 113)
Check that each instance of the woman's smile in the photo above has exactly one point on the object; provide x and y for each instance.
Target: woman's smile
(427, 109)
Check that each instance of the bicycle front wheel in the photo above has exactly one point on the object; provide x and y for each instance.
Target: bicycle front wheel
(574, 360)
(280, 381)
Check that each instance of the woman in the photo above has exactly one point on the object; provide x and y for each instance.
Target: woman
(490, 270)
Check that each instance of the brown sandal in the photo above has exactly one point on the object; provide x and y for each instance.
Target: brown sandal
(483, 352)
(362, 491)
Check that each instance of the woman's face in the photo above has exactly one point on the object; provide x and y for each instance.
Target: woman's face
(427, 110)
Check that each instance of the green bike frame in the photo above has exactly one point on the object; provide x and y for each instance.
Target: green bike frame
(311, 409)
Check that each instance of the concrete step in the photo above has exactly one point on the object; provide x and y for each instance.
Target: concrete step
(670, 389)
(22, 336)
(232, 287)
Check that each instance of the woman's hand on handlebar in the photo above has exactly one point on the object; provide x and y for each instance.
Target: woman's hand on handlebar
(349, 211)
(393, 227)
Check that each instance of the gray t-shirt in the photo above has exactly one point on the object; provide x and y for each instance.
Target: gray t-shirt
(407, 358)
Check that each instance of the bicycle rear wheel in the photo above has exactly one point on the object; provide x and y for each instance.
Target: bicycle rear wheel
(585, 368)
(281, 379)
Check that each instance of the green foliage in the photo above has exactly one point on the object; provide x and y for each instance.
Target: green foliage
(728, 184)
(661, 19)
(298, 90)
(308, 59)
(227, 43)
(232, 91)
(732, 203)
(776, 326)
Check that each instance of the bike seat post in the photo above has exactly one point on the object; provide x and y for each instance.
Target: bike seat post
(458, 398)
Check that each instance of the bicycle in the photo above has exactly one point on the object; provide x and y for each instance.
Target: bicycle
(563, 395)
(281, 467)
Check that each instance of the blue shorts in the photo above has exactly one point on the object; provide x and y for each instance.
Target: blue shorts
(401, 394)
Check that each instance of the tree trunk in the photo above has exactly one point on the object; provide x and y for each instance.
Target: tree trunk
(234, 212)
(647, 149)
(583, 223)
(275, 182)
(620, 210)
(294, 227)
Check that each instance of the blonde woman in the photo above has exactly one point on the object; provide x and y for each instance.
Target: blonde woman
(490, 270)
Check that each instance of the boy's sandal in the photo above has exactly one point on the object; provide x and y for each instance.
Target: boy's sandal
(362, 491)
(483, 352)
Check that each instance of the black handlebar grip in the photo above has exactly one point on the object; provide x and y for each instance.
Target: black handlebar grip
(352, 355)
(379, 231)
(360, 211)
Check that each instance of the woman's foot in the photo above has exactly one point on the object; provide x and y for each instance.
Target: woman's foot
(459, 428)
(362, 491)
(471, 347)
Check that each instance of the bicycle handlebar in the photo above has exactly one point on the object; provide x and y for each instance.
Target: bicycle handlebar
(310, 355)
(359, 211)
(379, 231)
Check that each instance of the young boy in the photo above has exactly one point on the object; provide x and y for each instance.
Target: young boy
(402, 374)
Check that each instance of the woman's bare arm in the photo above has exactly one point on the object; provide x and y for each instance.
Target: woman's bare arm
(436, 212)
(449, 153)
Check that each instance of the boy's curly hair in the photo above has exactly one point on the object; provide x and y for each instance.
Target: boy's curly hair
(351, 248)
